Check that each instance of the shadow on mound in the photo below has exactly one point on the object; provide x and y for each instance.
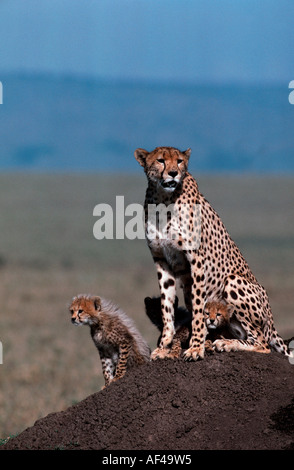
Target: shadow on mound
(227, 401)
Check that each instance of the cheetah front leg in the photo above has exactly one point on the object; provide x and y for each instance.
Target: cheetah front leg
(198, 292)
(121, 367)
(108, 368)
(167, 285)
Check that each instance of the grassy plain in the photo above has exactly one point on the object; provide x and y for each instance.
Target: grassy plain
(48, 254)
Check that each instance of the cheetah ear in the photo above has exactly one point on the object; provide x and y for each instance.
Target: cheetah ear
(187, 153)
(97, 303)
(230, 309)
(140, 156)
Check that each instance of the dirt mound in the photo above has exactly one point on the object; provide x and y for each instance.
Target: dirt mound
(227, 401)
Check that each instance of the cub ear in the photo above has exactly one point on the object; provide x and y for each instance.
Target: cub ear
(97, 303)
(140, 156)
(147, 301)
(230, 309)
(187, 153)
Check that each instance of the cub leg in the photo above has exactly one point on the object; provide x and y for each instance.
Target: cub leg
(124, 351)
(108, 368)
(181, 336)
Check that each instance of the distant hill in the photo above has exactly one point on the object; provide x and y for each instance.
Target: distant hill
(51, 123)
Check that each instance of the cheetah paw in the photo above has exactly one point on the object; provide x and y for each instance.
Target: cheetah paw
(192, 354)
(221, 345)
(174, 353)
(160, 353)
(209, 347)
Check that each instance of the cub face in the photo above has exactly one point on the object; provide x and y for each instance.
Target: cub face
(217, 314)
(165, 166)
(84, 309)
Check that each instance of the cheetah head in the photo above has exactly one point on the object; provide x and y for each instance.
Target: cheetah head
(165, 166)
(217, 314)
(84, 309)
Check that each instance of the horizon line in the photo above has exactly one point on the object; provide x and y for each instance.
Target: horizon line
(161, 82)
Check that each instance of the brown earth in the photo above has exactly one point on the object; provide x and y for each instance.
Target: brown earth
(236, 400)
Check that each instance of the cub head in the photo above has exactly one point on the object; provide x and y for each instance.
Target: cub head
(84, 309)
(217, 314)
(165, 166)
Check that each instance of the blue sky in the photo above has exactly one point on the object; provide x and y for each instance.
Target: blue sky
(178, 40)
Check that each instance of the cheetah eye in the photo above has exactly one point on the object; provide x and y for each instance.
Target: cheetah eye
(218, 314)
(80, 311)
(160, 160)
(72, 312)
(179, 161)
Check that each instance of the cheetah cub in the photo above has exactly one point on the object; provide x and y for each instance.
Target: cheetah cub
(221, 323)
(119, 343)
(219, 318)
(219, 315)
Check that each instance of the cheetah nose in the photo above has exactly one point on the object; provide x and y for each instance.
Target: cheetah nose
(172, 173)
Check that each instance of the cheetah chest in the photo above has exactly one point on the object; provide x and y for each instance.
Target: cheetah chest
(163, 244)
(103, 344)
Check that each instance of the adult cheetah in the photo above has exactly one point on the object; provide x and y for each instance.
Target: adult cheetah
(210, 267)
